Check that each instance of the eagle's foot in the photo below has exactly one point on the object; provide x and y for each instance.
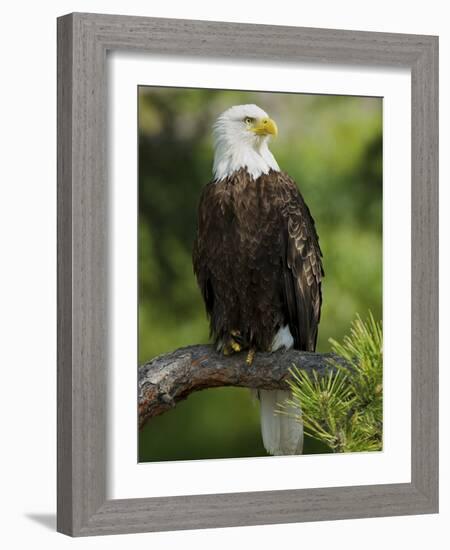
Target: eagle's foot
(235, 341)
(250, 356)
(231, 347)
(233, 344)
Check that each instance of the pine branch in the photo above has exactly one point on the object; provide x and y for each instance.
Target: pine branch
(172, 377)
(344, 407)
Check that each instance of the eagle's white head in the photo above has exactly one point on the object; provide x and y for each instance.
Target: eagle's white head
(241, 136)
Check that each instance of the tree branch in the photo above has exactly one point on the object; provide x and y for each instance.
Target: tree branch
(170, 378)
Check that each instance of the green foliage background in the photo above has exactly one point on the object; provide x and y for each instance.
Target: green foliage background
(332, 147)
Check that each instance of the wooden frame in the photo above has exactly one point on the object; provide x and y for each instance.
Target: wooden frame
(83, 41)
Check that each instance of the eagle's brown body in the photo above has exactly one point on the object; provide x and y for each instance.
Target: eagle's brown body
(258, 261)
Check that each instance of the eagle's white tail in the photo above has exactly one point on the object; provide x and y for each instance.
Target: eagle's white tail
(282, 434)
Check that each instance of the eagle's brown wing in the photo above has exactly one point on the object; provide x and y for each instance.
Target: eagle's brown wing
(302, 268)
(198, 253)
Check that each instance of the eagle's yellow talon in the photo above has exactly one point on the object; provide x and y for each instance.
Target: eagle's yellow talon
(235, 346)
(250, 357)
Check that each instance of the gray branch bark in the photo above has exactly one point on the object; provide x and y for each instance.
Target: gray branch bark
(170, 378)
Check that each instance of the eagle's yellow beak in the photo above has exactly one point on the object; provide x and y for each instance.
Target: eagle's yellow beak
(265, 127)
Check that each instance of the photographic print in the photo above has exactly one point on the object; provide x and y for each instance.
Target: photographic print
(303, 249)
(260, 231)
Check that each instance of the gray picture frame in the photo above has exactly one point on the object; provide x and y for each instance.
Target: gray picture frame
(83, 42)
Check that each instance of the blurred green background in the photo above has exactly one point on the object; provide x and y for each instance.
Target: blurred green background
(332, 147)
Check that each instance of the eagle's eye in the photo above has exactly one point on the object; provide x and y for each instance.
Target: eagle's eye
(248, 120)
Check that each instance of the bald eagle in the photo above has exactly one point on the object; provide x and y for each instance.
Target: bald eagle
(257, 258)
